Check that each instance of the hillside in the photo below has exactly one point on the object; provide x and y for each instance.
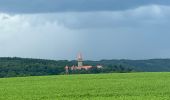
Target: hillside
(151, 65)
(117, 86)
(12, 67)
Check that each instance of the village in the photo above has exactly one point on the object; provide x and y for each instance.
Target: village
(80, 65)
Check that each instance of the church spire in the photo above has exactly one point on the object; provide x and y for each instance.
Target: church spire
(79, 57)
(80, 60)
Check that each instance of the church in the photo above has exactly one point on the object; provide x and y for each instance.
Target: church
(80, 65)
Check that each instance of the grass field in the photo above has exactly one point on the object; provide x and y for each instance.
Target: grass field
(118, 86)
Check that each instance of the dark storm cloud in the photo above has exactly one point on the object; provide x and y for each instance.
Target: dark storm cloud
(43, 6)
(100, 29)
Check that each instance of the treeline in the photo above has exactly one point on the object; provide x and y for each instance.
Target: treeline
(14, 67)
(150, 65)
(105, 69)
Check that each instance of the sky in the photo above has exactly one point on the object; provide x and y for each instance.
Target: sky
(99, 29)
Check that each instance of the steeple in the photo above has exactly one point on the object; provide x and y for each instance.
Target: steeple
(80, 60)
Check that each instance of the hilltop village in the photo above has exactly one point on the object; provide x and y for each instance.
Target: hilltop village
(80, 65)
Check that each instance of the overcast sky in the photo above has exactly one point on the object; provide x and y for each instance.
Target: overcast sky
(99, 29)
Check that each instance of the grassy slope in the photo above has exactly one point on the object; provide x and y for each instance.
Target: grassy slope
(118, 86)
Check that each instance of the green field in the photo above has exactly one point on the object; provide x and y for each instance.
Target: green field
(118, 86)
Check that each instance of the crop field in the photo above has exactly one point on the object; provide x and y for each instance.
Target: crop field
(117, 86)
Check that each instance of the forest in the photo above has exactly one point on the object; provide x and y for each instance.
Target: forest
(18, 67)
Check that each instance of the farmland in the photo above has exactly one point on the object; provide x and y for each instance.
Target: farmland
(118, 86)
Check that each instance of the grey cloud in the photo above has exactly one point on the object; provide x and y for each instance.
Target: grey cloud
(136, 34)
(141, 17)
(35, 36)
(45, 6)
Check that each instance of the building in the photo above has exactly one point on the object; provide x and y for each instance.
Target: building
(99, 66)
(80, 65)
(80, 60)
(67, 69)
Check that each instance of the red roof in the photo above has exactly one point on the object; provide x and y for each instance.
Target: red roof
(84, 67)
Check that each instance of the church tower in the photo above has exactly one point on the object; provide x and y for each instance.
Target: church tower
(80, 60)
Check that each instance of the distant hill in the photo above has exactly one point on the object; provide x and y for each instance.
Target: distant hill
(151, 65)
(14, 66)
